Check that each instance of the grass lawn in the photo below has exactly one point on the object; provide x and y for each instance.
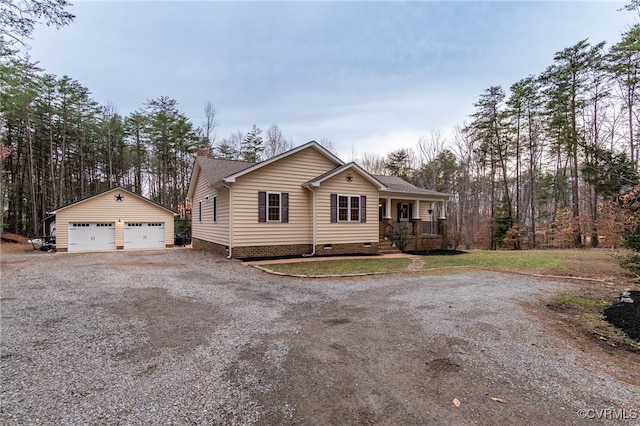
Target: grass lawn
(342, 267)
(583, 263)
(508, 261)
(581, 310)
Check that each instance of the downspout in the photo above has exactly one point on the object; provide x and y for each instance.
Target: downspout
(230, 219)
(313, 223)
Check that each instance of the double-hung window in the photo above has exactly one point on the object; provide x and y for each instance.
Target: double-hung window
(354, 209)
(348, 208)
(273, 206)
(343, 208)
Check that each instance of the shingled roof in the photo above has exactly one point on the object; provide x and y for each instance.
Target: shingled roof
(396, 184)
(216, 169)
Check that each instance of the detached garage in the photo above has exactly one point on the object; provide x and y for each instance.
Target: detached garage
(116, 219)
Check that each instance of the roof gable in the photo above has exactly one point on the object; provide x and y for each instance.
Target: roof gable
(231, 178)
(114, 190)
(349, 166)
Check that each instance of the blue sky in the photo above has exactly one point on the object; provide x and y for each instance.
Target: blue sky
(369, 76)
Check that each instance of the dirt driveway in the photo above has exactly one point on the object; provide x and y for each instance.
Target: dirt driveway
(184, 337)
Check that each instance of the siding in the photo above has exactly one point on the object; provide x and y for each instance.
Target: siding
(208, 230)
(346, 232)
(424, 211)
(104, 208)
(285, 175)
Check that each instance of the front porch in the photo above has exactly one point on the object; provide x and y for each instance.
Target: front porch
(413, 236)
(411, 218)
(402, 225)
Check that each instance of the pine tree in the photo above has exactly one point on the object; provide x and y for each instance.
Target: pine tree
(623, 62)
(398, 164)
(252, 145)
(565, 89)
(488, 128)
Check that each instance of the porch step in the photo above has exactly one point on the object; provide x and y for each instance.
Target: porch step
(385, 247)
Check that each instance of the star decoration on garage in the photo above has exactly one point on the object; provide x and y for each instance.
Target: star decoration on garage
(119, 197)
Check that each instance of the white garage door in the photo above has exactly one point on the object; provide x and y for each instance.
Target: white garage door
(143, 235)
(87, 236)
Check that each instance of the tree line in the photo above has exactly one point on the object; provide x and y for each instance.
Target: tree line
(60, 146)
(537, 165)
(540, 164)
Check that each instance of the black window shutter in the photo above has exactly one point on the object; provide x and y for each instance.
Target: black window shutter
(334, 207)
(363, 208)
(262, 206)
(399, 208)
(285, 207)
(215, 209)
(410, 211)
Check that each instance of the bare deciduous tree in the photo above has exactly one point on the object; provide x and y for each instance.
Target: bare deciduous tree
(275, 142)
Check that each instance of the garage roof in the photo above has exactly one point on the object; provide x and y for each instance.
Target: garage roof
(116, 189)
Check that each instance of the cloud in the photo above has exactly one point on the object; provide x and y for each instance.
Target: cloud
(373, 75)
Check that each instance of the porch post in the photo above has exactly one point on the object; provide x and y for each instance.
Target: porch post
(417, 226)
(387, 208)
(442, 226)
(417, 222)
(386, 220)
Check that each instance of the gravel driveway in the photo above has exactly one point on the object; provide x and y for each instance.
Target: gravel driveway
(185, 337)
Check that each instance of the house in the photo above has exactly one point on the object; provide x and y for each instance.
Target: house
(307, 202)
(116, 219)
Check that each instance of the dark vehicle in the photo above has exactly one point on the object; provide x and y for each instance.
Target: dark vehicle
(181, 240)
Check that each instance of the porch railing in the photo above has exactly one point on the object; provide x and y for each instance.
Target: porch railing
(430, 227)
(406, 228)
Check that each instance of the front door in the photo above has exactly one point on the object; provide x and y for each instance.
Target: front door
(404, 212)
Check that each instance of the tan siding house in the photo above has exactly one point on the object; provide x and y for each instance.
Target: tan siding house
(344, 232)
(303, 202)
(116, 219)
(285, 175)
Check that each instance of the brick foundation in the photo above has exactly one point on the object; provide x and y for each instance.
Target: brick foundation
(424, 243)
(218, 249)
(271, 251)
(286, 250)
(350, 248)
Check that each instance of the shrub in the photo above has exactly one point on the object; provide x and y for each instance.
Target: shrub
(630, 262)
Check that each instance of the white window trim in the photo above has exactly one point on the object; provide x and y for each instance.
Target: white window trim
(405, 219)
(279, 194)
(349, 197)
